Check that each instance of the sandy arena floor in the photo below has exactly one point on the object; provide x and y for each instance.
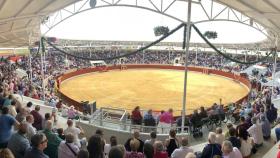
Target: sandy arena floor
(152, 88)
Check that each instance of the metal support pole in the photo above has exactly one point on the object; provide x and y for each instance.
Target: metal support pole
(42, 68)
(196, 55)
(186, 64)
(275, 62)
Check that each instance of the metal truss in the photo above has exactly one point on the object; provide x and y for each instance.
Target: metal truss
(211, 10)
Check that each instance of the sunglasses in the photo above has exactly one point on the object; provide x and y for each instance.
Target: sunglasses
(44, 141)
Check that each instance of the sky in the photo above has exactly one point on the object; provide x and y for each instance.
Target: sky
(133, 24)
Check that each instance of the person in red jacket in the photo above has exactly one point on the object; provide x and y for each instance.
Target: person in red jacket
(136, 116)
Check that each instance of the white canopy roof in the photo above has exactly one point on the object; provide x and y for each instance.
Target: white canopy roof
(20, 19)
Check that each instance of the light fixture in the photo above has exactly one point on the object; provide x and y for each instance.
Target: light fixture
(92, 3)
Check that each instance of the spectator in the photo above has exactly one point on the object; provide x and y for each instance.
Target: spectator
(61, 133)
(211, 149)
(190, 155)
(6, 122)
(39, 144)
(229, 125)
(159, 150)
(172, 142)
(153, 136)
(12, 108)
(95, 147)
(243, 124)
(115, 152)
(47, 118)
(229, 151)
(183, 150)
(256, 132)
(266, 128)
(203, 113)
(149, 120)
(21, 115)
(38, 118)
(219, 136)
(30, 129)
(233, 139)
(148, 150)
(107, 147)
(53, 141)
(71, 112)
(76, 131)
(136, 116)
(83, 154)
(165, 121)
(67, 149)
(134, 146)
(136, 135)
(6, 153)
(29, 107)
(246, 142)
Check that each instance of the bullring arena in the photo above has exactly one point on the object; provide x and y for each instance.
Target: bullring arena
(154, 87)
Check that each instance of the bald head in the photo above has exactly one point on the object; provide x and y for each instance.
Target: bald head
(185, 141)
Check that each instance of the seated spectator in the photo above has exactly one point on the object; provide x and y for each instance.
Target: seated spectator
(39, 144)
(18, 143)
(134, 145)
(183, 150)
(28, 107)
(159, 150)
(203, 113)
(211, 149)
(266, 128)
(72, 112)
(6, 122)
(47, 118)
(38, 118)
(136, 135)
(53, 141)
(233, 138)
(242, 124)
(30, 129)
(219, 136)
(149, 120)
(115, 152)
(67, 148)
(76, 131)
(246, 142)
(21, 115)
(172, 142)
(107, 147)
(255, 131)
(60, 133)
(95, 147)
(59, 105)
(148, 150)
(229, 151)
(6, 153)
(136, 116)
(153, 136)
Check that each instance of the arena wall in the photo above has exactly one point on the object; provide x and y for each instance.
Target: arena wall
(70, 101)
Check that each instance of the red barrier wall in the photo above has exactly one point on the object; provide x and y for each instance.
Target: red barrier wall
(78, 105)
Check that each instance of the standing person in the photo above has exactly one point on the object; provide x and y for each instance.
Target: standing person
(148, 150)
(38, 118)
(76, 131)
(53, 141)
(67, 149)
(183, 150)
(18, 143)
(256, 132)
(136, 135)
(246, 143)
(39, 144)
(95, 147)
(159, 150)
(30, 129)
(6, 122)
(134, 145)
(172, 142)
(136, 116)
(107, 147)
(165, 121)
(153, 136)
(266, 128)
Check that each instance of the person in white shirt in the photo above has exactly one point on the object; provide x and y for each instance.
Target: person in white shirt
(255, 131)
(75, 131)
(107, 147)
(30, 129)
(183, 150)
(153, 136)
(229, 151)
(12, 108)
(220, 137)
(68, 149)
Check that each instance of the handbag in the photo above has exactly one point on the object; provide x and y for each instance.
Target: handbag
(71, 149)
